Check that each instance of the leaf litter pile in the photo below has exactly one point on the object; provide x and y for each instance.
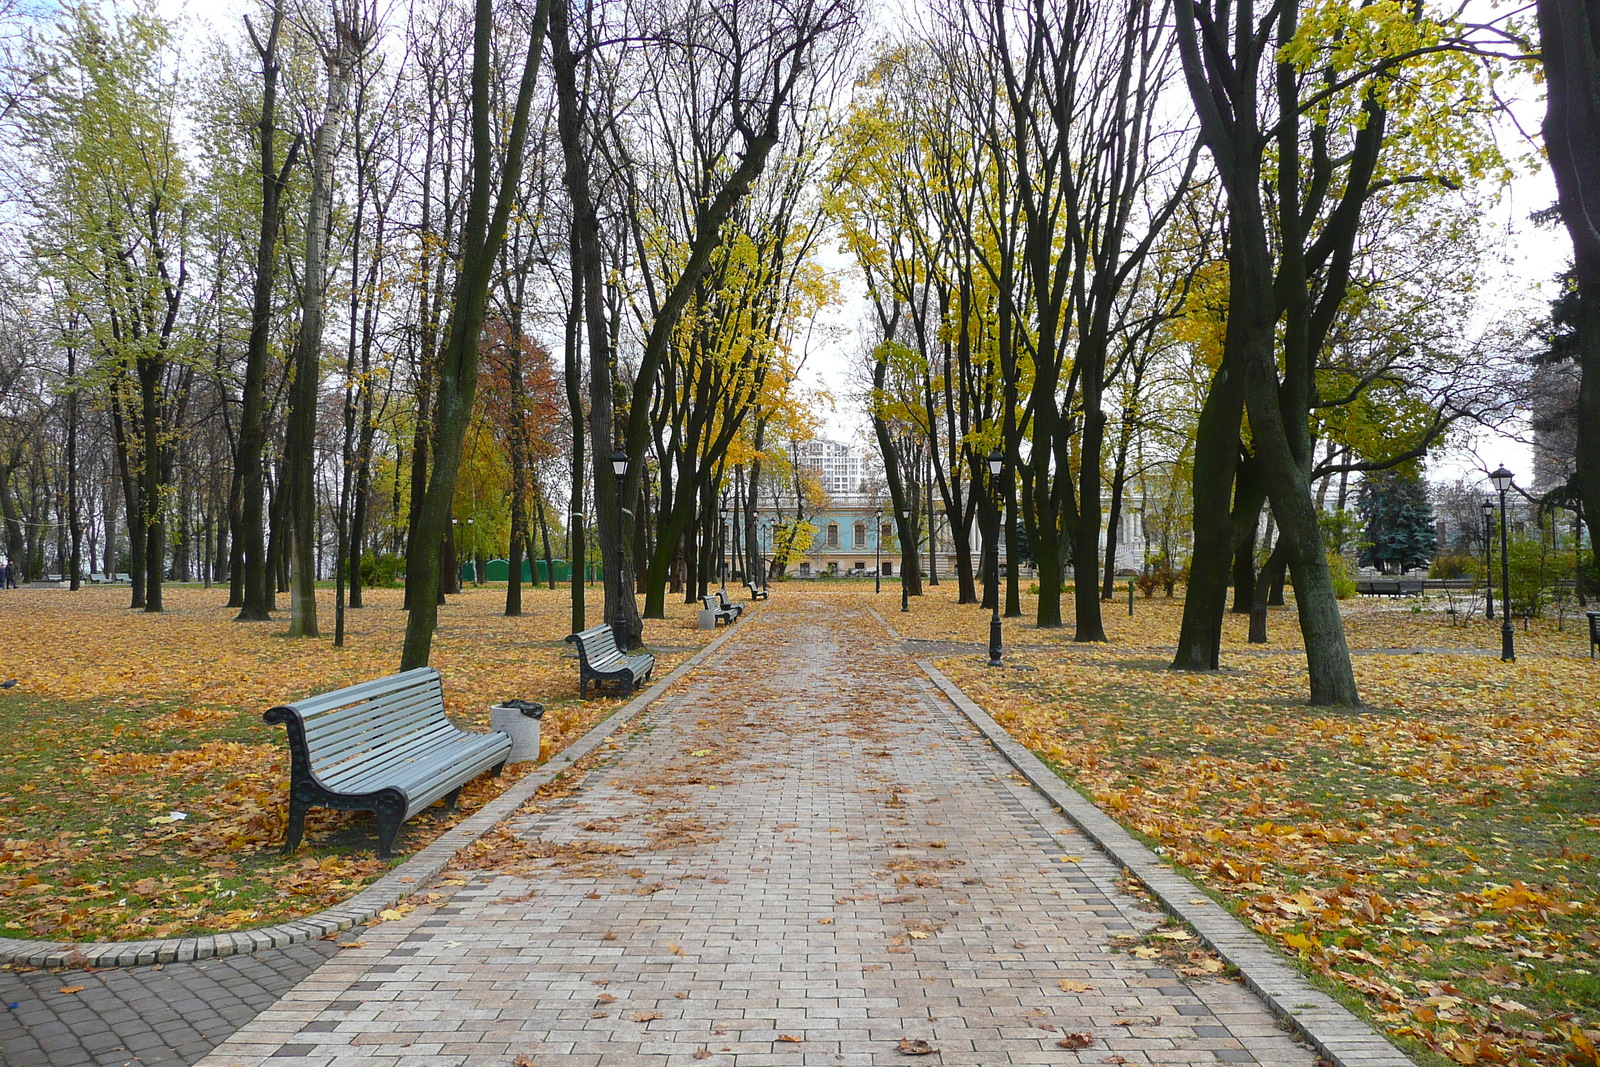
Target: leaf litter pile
(143, 796)
(1433, 854)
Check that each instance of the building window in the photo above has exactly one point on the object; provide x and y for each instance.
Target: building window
(888, 569)
(833, 535)
(886, 532)
(860, 535)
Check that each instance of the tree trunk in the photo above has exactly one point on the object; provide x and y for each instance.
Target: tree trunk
(340, 62)
(1270, 578)
(1244, 569)
(1569, 33)
(256, 579)
(75, 563)
(488, 213)
(1216, 461)
(575, 496)
(519, 476)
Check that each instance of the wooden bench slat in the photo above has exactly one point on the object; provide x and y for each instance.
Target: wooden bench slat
(423, 781)
(421, 677)
(396, 762)
(333, 734)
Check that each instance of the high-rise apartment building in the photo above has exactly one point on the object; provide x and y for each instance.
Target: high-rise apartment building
(836, 464)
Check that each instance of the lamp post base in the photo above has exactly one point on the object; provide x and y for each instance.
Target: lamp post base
(994, 639)
(1508, 642)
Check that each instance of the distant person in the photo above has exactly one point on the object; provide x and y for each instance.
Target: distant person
(11, 574)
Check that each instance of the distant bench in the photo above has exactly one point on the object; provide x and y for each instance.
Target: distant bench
(384, 746)
(714, 609)
(600, 660)
(756, 592)
(1389, 586)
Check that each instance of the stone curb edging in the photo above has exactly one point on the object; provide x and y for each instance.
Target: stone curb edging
(386, 892)
(1332, 1029)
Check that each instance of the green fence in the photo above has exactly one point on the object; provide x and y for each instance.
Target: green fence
(499, 570)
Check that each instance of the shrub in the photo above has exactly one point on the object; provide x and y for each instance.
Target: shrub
(1536, 567)
(1456, 565)
(1161, 572)
(1344, 586)
(381, 569)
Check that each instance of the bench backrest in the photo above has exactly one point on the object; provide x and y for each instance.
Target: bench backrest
(722, 599)
(385, 720)
(597, 646)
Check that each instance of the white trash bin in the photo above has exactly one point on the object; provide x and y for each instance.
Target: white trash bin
(519, 719)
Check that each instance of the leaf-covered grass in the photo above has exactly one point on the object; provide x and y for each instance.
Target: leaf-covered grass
(142, 795)
(1433, 853)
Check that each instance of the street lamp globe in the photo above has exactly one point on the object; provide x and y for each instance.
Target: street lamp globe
(996, 461)
(619, 463)
(1501, 478)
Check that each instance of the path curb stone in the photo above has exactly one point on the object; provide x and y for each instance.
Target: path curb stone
(1335, 1032)
(386, 892)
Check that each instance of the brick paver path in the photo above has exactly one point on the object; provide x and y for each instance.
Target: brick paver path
(803, 855)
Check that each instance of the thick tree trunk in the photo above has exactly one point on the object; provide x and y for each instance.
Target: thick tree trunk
(1090, 623)
(1569, 33)
(1271, 577)
(1331, 674)
(1244, 570)
(1216, 461)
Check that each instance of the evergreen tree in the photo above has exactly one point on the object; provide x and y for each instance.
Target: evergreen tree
(1398, 517)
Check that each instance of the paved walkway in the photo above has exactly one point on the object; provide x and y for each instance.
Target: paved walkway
(150, 1016)
(804, 855)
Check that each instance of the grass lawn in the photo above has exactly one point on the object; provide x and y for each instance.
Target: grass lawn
(1431, 855)
(143, 796)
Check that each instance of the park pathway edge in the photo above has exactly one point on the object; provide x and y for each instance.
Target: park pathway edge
(386, 892)
(1333, 1030)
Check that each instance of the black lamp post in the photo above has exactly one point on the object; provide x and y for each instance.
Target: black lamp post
(877, 552)
(905, 590)
(619, 467)
(1508, 652)
(764, 528)
(996, 463)
(472, 556)
(1488, 558)
(455, 555)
